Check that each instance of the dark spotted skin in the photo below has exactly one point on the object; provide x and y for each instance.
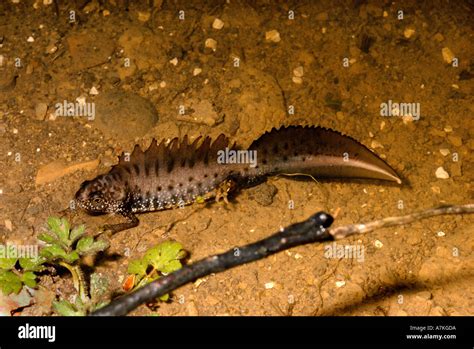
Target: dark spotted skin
(169, 176)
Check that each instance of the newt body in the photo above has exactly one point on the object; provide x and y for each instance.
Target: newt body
(180, 173)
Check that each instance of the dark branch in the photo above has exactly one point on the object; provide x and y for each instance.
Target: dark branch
(314, 229)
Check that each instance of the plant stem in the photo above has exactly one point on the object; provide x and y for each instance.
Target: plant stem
(77, 279)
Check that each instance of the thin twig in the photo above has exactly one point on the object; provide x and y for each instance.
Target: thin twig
(311, 230)
(351, 229)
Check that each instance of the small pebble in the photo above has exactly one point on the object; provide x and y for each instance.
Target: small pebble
(30, 39)
(438, 37)
(444, 152)
(448, 129)
(8, 224)
(455, 140)
(81, 100)
(106, 13)
(424, 295)
(217, 24)
(407, 119)
(297, 80)
(163, 84)
(93, 91)
(51, 48)
(211, 43)
(435, 189)
(197, 71)
(447, 54)
(153, 87)
(298, 256)
(441, 173)
(298, 72)
(143, 16)
(376, 144)
(441, 233)
(269, 285)
(174, 61)
(40, 111)
(339, 284)
(382, 125)
(273, 36)
(408, 33)
(378, 244)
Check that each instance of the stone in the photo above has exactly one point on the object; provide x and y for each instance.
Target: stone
(408, 32)
(211, 43)
(438, 37)
(444, 152)
(203, 113)
(376, 144)
(263, 194)
(89, 49)
(57, 169)
(7, 80)
(40, 111)
(144, 16)
(124, 115)
(297, 80)
(273, 36)
(298, 71)
(447, 54)
(455, 140)
(217, 24)
(441, 173)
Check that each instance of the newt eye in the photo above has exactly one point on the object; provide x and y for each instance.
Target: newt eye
(97, 201)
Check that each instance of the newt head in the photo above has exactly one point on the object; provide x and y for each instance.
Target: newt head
(100, 196)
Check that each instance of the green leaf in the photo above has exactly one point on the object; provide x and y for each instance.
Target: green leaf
(171, 266)
(54, 224)
(137, 267)
(52, 252)
(77, 232)
(47, 238)
(160, 256)
(29, 279)
(10, 282)
(7, 263)
(165, 297)
(71, 257)
(84, 244)
(65, 308)
(98, 246)
(32, 264)
(60, 227)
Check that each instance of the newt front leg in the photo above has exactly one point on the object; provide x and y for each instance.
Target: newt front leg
(115, 228)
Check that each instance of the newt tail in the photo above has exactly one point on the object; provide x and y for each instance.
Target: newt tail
(170, 175)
